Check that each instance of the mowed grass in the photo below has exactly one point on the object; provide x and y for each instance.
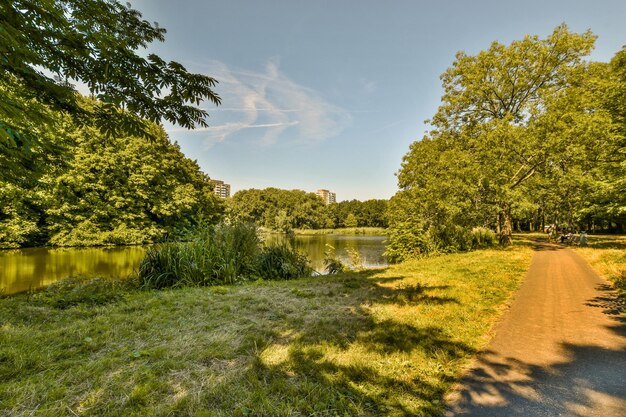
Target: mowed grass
(607, 255)
(376, 343)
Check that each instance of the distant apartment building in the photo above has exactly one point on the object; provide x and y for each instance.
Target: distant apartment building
(327, 196)
(220, 188)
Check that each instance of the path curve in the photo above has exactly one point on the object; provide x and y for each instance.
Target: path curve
(559, 351)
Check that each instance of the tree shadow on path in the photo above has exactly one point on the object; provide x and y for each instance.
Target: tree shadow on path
(588, 380)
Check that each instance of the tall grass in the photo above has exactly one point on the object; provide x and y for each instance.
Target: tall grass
(332, 264)
(282, 262)
(216, 255)
(483, 238)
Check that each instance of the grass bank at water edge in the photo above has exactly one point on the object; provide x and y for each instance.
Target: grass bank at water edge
(387, 342)
(371, 231)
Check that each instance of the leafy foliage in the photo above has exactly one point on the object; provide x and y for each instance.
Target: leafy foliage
(67, 178)
(369, 213)
(483, 237)
(351, 221)
(47, 44)
(524, 134)
(332, 263)
(127, 191)
(278, 209)
(281, 262)
(94, 190)
(284, 210)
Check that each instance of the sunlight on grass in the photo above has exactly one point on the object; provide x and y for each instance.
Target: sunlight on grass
(384, 342)
(607, 255)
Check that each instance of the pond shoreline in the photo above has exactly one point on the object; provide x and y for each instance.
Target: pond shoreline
(26, 269)
(349, 231)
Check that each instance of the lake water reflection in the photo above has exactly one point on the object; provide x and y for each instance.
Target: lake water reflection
(370, 248)
(25, 269)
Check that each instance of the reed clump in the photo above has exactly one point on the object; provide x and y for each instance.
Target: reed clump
(218, 255)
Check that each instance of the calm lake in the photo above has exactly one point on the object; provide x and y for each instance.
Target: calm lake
(25, 269)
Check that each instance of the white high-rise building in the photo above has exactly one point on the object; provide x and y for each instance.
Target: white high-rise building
(327, 196)
(220, 188)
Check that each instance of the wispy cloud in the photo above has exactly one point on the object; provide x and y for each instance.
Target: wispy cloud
(272, 104)
(367, 86)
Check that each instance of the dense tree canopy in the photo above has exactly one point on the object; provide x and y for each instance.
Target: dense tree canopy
(278, 209)
(284, 210)
(98, 171)
(369, 213)
(45, 45)
(126, 190)
(95, 190)
(526, 133)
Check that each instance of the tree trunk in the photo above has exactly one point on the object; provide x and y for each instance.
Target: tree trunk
(498, 223)
(506, 230)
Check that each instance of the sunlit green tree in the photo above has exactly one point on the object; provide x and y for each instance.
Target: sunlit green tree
(126, 190)
(528, 133)
(46, 45)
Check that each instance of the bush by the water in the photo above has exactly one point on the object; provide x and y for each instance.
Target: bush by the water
(221, 254)
(332, 264)
(282, 262)
(407, 241)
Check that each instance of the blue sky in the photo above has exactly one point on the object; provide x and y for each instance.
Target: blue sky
(330, 94)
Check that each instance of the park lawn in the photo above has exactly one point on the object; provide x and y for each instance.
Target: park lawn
(384, 342)
(607, 255)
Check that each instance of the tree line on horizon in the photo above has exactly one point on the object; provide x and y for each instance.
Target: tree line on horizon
(285, 210)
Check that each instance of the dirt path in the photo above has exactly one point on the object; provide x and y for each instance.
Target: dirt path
(559, 351)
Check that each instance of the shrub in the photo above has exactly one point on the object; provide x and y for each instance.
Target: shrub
(406, 241)
(236, 249)
(332, 264)
(451, 237)
(171, 265)
(282, 262)
(483, 238)
(355, 259)
(221, 254)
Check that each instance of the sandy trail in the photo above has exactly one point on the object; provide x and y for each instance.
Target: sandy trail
(559, 351)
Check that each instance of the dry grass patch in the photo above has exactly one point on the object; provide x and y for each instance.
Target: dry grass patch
(607, 255)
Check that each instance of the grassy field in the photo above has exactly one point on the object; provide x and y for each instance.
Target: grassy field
(386, 342)
(343, 231)
(607, 255)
